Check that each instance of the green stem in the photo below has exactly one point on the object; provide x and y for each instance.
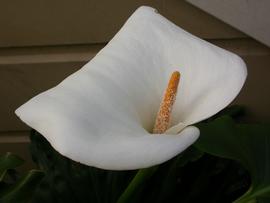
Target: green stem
(246, 198)
(138, 180)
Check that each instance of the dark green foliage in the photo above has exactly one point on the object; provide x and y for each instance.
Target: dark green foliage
(248, 145)
(23, 189)
(8, 162)
(13, 187)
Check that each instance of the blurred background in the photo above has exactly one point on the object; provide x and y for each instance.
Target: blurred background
(42, 42)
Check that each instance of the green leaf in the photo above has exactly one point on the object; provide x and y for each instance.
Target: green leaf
(9, 161)
(247, 144)
(22, 191)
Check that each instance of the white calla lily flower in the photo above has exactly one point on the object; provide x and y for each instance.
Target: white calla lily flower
(103, 115)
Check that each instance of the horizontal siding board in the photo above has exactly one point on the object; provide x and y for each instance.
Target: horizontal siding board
(48, 54)
(197, 21)
(39, 22)
(65, 22)
(255, 94)
(20, 82)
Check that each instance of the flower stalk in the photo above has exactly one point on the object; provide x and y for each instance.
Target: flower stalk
(137, 182)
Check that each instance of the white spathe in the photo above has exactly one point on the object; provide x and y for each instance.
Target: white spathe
(102, 114)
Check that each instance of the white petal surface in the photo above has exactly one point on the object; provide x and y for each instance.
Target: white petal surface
(100, 115)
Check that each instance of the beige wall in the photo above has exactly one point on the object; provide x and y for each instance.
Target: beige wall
(41, 43)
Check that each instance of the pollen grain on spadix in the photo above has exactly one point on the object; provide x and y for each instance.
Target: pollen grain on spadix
(163, 116)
